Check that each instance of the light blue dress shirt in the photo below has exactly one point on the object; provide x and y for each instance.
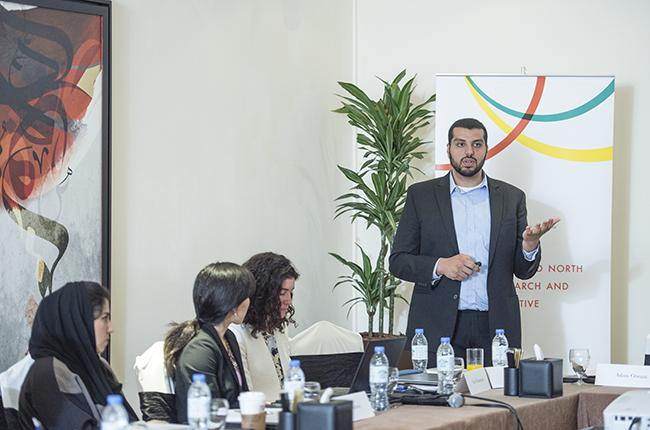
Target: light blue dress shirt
(471, 211)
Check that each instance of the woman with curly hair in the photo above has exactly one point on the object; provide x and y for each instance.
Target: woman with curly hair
(262, 338)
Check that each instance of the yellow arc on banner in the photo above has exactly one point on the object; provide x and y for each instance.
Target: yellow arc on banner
(582, 155)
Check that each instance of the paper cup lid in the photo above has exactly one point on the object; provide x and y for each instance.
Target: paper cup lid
(251, 402)
(252, 395)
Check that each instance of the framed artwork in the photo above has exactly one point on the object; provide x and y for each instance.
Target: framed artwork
(54, 156)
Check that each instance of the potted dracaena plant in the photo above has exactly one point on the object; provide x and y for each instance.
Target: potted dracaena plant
(387, 131)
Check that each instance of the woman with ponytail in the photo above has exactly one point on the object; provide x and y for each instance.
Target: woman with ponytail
(205, 345)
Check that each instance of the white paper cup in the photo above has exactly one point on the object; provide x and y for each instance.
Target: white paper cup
(251, 402)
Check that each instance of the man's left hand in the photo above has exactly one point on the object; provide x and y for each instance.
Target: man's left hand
(533, 233)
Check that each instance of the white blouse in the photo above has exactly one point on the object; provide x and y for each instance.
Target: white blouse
(259, 367)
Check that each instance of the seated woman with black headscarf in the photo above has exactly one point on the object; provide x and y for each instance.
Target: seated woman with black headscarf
(204, 345)
(67, 386)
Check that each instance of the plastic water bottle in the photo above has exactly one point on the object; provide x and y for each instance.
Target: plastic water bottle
(445, 365)
(294, 381)
(499, 348)
(198, 403)
(379, 380)
(114, 416)
(419, 350)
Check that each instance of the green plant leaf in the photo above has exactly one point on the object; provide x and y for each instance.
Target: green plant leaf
(389, 139)
(357, 93)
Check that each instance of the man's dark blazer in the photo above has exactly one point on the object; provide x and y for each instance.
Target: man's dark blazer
(426, 233)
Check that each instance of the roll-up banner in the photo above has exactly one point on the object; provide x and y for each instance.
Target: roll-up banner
(552, 137)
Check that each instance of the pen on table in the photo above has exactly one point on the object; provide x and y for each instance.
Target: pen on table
(517, 357)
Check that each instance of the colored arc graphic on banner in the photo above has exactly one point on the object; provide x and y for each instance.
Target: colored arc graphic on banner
(572, 113)
(512, 134)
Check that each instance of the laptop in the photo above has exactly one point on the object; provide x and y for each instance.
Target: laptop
(420, 378)
(393, 348)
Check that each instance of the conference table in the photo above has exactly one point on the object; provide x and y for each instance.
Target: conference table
(579, 407)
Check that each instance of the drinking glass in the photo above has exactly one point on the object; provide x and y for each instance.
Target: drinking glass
(459, 366)
(393, 376)
(218, 413)
(474, 358)
(579, 358)
(312, 391)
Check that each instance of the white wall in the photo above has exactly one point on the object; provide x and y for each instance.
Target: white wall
(223, 146)
(552, 37)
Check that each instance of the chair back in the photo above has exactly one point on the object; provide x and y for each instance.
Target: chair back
(324, 337)
(11, 380)
(157, 399)
(328, 354)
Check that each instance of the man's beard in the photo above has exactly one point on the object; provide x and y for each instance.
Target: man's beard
(458, 166)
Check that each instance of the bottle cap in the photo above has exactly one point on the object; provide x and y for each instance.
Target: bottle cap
(379, 349)
(419, 331)
(295, 363)
(500, 331)
(445, 340)
(198, 377)
(113, 399)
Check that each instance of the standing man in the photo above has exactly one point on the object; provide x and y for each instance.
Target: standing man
(461, 238)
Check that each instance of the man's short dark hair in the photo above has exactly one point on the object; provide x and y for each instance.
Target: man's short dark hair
(468, 123)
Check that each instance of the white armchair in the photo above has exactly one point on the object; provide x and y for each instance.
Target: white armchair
(157, 399)
(11, 380)
(324, 337)
(150, 370)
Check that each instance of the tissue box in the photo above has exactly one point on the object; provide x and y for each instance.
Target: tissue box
(336, 415)
(540, 378)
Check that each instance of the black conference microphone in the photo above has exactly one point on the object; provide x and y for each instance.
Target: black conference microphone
(454, 400)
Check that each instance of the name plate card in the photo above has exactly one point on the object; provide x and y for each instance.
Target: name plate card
(477, 381)
(496, 376)
(361, 408)
(623, 375)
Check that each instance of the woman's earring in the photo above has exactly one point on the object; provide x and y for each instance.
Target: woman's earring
(235, 314)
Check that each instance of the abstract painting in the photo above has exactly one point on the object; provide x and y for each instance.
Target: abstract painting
(54, 156)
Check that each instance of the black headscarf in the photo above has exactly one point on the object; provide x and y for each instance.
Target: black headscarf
(64, 328)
